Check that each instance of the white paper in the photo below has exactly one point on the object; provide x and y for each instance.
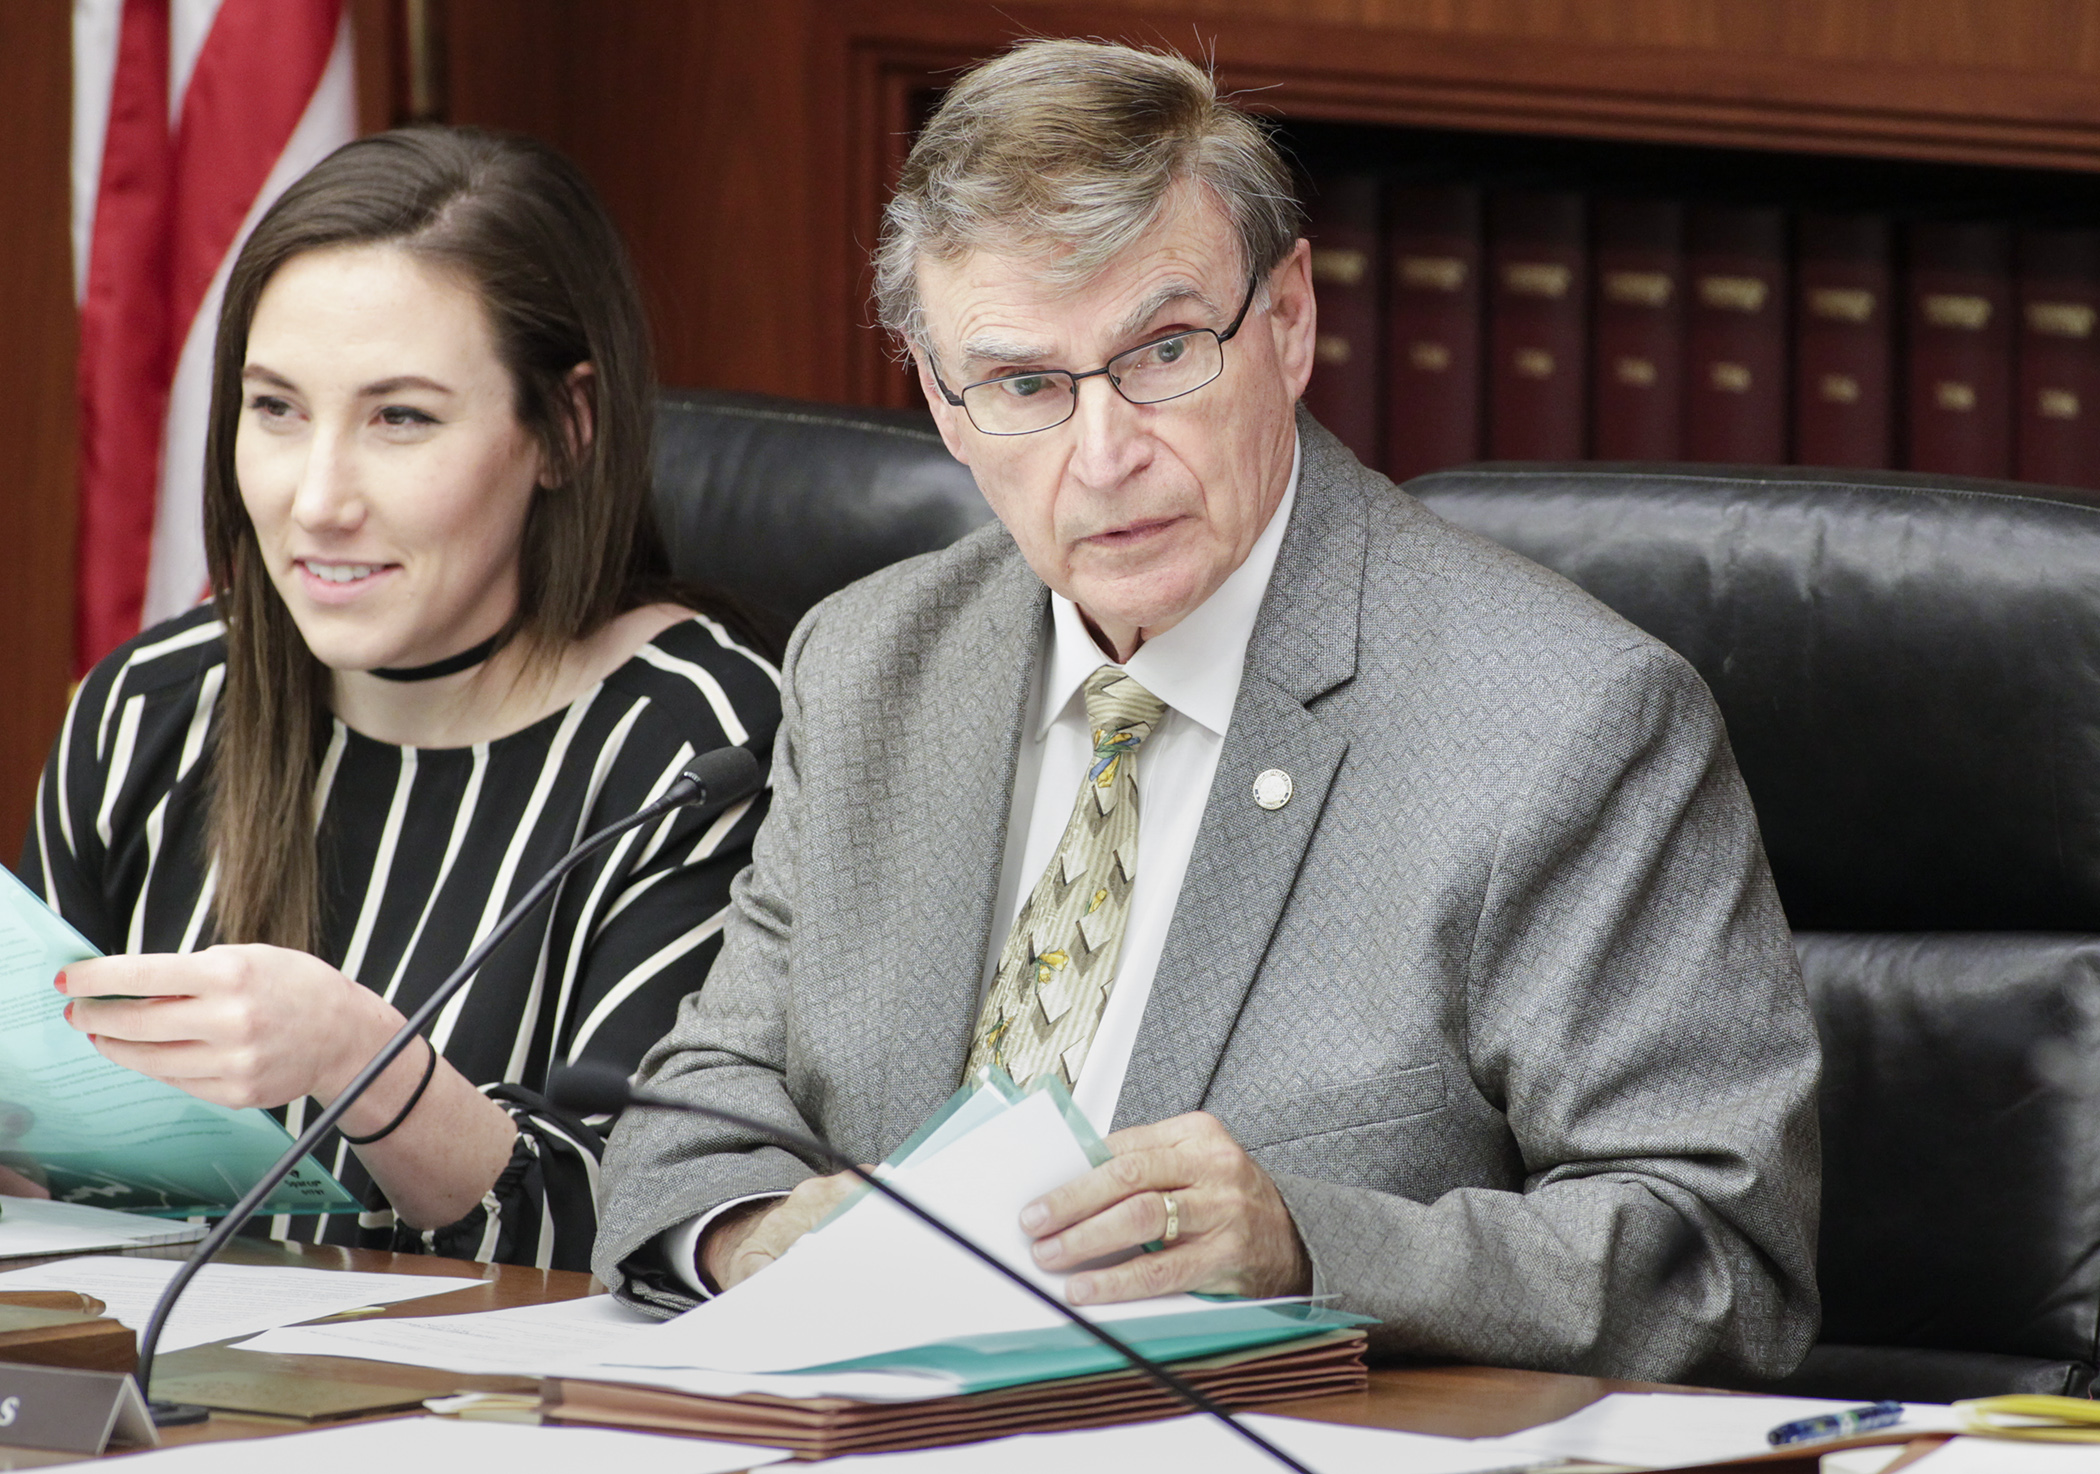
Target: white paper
(446, 1443)
(1191, 1443)
(2004, 1456)
(534, 1340)
(1664, 1428)
(523, 1341)
(878, 1280)
(1860, 1460)
(225, 1299)
(33, 1226)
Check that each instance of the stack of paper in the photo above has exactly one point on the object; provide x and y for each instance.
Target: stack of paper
(1196, 1442)
(875, 1331)
(225, 1300)
(34, 1226)
(439, 1443)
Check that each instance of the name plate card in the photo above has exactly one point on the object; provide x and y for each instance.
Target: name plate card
(71, 1411)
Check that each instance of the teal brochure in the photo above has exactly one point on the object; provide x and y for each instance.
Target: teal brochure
(100, 1134)
(1016, 1358)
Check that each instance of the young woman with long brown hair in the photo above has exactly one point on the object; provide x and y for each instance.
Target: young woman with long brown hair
(443, 644)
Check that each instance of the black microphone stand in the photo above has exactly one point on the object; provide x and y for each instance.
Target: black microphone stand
(729, 772)
(591, 1088)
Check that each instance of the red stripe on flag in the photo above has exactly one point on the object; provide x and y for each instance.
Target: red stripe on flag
(253, 80)
(125, 355)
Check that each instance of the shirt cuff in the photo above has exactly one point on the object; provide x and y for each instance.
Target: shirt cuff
(681, 1245)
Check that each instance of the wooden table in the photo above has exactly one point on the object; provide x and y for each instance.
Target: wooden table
(1464, 1402)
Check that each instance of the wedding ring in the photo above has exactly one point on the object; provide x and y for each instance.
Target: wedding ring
(1173, 1229)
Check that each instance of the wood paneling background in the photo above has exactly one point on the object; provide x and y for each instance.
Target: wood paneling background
(36, 396)
(745, 147)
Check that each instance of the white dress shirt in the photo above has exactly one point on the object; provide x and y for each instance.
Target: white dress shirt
(1195, 669)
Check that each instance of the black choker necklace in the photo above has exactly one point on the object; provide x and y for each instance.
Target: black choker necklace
(451, 665)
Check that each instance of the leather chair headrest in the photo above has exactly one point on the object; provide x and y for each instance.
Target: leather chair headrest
(1909, 667)
(778, 502)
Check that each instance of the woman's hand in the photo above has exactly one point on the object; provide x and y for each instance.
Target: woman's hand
(239, 1026)
(14, 1185)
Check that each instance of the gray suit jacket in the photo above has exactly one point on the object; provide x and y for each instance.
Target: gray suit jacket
(1502, 998)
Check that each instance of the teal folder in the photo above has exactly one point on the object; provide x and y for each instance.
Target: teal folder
(98, 1133)
(1019, 1358)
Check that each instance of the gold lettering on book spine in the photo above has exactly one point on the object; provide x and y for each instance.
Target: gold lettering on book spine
(1337, 267)
(2057, 404)
(1956, 310)
(2060, 319)
(1538, 278)
(1432, 273)
(1638, 288)
(1733, 293)
(1841, 304)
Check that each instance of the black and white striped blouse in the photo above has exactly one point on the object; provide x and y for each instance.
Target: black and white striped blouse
(421, 850)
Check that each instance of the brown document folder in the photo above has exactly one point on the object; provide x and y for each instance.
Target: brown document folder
(825, 1427)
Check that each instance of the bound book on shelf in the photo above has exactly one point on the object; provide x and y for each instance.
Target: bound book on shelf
(1844, 341)
(1346, 393)
(1538, 325)
(1735, 399)
(1637, 367)
(1960, 331)
(1432, 357)
(2057, 432)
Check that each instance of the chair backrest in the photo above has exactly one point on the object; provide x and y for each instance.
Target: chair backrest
(779, 502)
(1910, 672)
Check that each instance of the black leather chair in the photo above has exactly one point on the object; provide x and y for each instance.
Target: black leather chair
(778, 502)
(1910, 672)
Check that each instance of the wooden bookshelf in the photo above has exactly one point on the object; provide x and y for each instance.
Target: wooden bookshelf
(747, 149)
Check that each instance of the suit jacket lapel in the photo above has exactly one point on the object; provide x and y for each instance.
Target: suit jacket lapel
(928, 1005)
(1246, 858)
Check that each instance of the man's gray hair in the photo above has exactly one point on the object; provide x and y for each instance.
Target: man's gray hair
(1067, 151)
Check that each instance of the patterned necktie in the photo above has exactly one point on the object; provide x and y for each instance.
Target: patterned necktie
(1059, 961)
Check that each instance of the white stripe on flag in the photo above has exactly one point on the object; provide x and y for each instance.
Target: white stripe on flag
(176, 577)
(189, 22)
(94, 78)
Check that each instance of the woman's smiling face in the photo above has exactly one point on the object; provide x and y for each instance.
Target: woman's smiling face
(381, 458)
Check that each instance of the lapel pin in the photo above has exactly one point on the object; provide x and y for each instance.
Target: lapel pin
(1272, 790)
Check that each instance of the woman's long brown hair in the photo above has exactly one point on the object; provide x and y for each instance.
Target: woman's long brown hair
(516, 222)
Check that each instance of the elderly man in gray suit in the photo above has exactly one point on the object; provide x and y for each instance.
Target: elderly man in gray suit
(1399, 905)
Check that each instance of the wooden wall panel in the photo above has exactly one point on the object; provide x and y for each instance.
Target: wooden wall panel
(2017, 35)
(36, 397)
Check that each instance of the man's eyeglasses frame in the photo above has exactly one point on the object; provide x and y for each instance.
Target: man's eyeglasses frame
(1222, 335)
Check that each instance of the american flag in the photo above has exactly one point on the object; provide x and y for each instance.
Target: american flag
(189, 118)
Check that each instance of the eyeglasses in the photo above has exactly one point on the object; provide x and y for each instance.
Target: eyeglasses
(1151, 373)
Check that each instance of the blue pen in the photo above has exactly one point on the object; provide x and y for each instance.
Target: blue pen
(1837, 1425)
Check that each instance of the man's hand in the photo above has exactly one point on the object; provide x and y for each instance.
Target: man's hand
(1234, 1235)
(740, 1244)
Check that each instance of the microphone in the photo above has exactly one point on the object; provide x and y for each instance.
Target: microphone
(590, 1088)
(717, 779)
